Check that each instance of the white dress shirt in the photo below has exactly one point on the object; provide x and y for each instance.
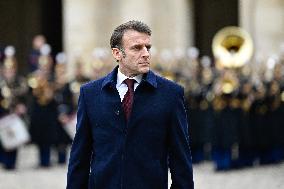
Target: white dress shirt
(122, 87)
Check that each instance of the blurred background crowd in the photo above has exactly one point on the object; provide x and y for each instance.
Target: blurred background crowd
(234, 111)
(235, 114)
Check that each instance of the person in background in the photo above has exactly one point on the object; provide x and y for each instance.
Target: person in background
(33, 61)
(43, 107)
(65, 107)
(13, 90)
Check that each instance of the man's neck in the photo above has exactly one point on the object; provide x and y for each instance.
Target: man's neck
(122, 76)
(129, 75)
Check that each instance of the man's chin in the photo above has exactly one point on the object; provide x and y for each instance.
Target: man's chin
(144, 70)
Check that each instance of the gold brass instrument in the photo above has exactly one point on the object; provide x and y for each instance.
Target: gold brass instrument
(7, 96)
(42, 89)
(227, 83)
(232, 47)
(75, 87)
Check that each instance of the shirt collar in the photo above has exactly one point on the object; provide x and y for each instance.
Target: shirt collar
(121, 77)
(111, 78)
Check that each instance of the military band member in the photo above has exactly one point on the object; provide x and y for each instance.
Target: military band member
(275, 117)
(279, 79)
(259, 122)
(43, 107)
(245, 132)
(65, 107)
(225, 132)
(13, 92)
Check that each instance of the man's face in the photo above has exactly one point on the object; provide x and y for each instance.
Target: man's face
(135, 59)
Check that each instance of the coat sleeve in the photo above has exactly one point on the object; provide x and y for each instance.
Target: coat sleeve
(180, 162)
(81, 151)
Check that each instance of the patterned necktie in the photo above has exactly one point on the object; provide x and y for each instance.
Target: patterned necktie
(128, 97)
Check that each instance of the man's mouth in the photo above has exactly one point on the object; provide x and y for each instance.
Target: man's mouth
(144, 63)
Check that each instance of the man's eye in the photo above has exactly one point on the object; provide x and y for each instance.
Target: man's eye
(138, 48)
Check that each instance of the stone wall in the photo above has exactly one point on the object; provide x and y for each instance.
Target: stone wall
(264, 19)
(88, 24)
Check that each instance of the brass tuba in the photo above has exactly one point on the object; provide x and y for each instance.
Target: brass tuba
(232, 47)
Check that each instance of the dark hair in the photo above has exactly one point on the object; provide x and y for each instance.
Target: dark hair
(116, 37)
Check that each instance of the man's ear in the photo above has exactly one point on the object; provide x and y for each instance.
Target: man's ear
(116, 53)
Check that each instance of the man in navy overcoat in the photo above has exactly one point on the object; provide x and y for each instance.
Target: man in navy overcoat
(131, 124)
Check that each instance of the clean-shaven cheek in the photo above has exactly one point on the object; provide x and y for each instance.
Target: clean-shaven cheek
(144, 68)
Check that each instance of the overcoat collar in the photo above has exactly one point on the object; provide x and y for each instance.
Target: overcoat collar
(111, 78)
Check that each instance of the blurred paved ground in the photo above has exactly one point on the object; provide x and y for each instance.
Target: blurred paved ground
(28, 176)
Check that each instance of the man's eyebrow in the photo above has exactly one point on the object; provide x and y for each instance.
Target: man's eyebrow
(136, 46)
(141, 45)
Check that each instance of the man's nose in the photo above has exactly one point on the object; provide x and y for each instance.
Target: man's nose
(145, 52)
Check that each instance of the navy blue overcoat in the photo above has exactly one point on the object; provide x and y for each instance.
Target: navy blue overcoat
(110, 153)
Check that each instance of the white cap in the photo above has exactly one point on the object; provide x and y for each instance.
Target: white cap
(205, 61)
(10, 51)
(61, 58)
(45, 49)
(272, 61)
(192, 52)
